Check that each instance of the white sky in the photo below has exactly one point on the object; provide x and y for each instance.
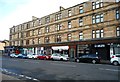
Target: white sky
(15, 12)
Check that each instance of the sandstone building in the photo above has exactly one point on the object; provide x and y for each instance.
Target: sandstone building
(89, 27)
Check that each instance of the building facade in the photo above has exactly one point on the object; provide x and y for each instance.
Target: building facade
(3, 44)
(89, 27)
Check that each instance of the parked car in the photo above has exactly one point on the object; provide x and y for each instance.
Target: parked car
(115, 59)
(58, 56)
(47, 57)
(22, 56)
(41, 56)
(92, 58)
(13, 55)
(32, 56)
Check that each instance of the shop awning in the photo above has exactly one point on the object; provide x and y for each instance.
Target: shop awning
(60, 47)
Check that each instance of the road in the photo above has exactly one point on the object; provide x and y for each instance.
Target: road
(36, 70)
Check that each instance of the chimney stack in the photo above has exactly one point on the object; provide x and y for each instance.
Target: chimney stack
(61, 8)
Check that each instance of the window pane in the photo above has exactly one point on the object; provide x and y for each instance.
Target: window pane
(97, 35)
(101, 35)
(118, 33)
(97, 20)
(69, 24)
(93, 31)
(97, 2)
(117, 16)
(80, 22)
(101, 30)
(118, 28)
(98, 31)
(101, 19)
(97, 6)
(69, 12)
(101, 4)
(93, 35)
(81, 9)
(93, 21)
(93, 7)
(117, 0)
(98, 16)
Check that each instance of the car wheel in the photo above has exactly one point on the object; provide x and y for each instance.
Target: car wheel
(115, 63)
(52, 59)
(93, 61)
(77, 60)
(61, 59)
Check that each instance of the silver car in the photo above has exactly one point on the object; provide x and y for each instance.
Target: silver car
(58, 56)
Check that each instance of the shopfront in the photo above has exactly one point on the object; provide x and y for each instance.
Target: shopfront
(48, 50)
(60, 49)
(103, 50)
(83, 49)
(114, 49)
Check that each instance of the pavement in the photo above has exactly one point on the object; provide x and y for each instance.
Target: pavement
(7, 77)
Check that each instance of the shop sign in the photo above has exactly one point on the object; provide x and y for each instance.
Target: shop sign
(60, 48)
(99, 46)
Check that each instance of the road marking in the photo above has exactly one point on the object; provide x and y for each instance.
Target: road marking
(28, 77)
(109, 69)
(35, 80)
(29, 61)
(19, 75)
(63, 65)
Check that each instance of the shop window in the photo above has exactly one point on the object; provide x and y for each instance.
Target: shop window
(97, 33)
(69, 13)
(97, 18)
(118, 31)
(69, 24)
(81, 9)
(97, 4)
(69, 37)
(82, 49)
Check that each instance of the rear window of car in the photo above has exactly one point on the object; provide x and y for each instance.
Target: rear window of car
(93, 55)
(89, 55)
(117, 55)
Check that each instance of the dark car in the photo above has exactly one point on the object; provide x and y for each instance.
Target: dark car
(92, 58)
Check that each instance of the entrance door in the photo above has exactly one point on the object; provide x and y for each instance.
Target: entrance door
(72, 53)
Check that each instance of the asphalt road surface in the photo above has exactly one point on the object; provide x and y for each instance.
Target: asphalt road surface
(36, 70)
